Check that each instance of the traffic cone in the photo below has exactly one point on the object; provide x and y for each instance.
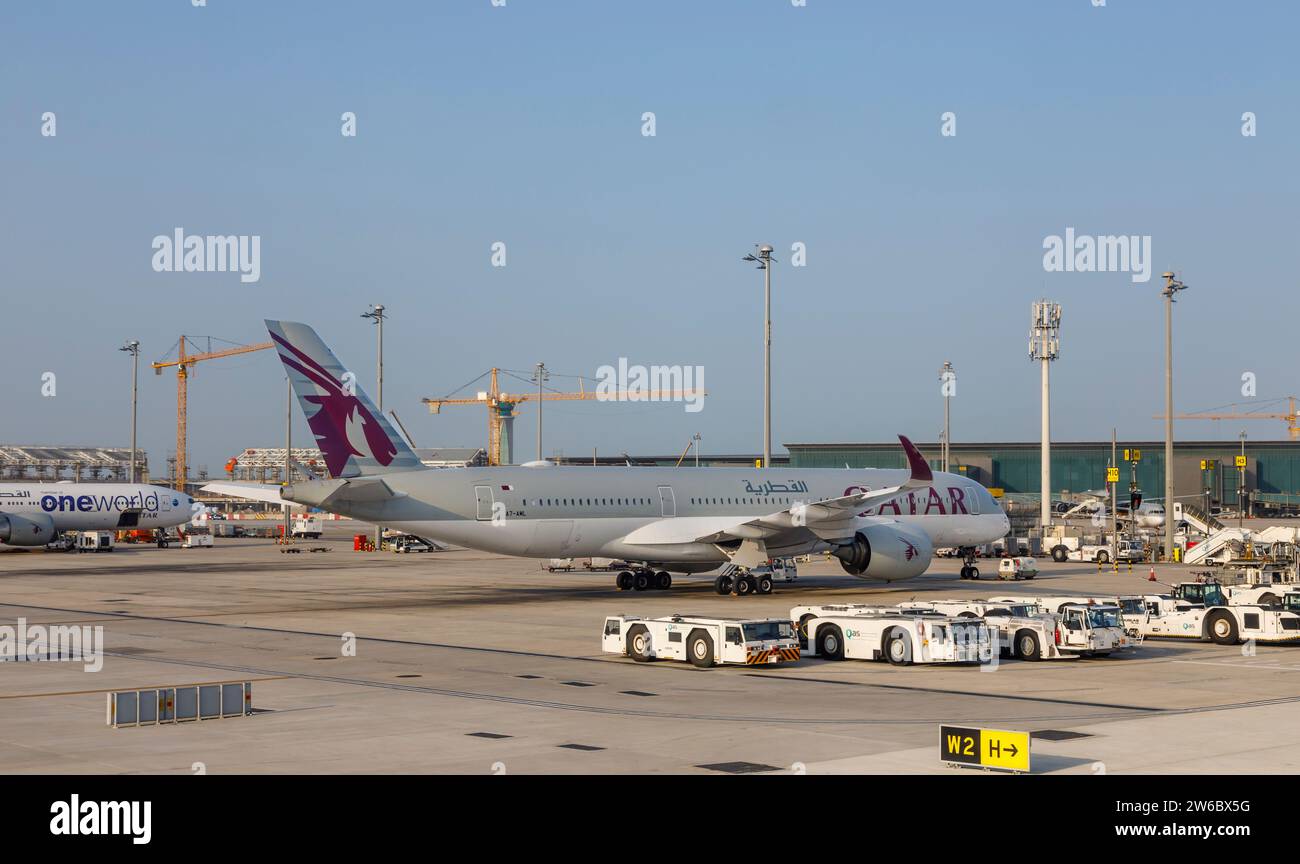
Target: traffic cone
(1152, 577)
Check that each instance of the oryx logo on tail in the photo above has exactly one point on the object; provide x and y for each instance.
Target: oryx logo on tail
(353, 437)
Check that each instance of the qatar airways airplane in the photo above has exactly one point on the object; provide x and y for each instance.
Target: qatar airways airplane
(33, 514)
(880, 523)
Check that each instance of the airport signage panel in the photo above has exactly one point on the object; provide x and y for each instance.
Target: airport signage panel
(986, 748)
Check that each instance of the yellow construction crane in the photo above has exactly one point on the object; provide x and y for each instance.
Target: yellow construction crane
(501, 406)
(1290, 417)
(182, 362)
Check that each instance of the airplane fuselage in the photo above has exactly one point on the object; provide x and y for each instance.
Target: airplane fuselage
(578, 511)
(33, 513)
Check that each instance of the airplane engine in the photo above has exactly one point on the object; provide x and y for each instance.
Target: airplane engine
(887, 551)
(34, 530)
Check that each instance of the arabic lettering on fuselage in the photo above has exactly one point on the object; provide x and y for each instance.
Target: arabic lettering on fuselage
(767, 487)
(19, 493)
(930, 499)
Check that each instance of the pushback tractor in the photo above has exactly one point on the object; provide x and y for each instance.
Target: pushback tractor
(1026, 632)
(701, 640)
(900, 638)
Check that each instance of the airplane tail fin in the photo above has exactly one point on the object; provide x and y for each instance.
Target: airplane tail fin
(354, 438)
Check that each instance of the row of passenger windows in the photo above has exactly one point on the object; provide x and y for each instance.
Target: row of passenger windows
(741, 501)
(586, 502)
(634, 502)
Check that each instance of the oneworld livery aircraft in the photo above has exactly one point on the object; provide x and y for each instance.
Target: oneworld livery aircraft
(880, 523)
(33, 514)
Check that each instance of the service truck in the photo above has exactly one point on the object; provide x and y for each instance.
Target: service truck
(1017, 568)
(1075, 549)
(1028, 632)
(701, 640)
(901, 638)
(95, 541)
(196, 537)
(307, 526)
(1165, 616)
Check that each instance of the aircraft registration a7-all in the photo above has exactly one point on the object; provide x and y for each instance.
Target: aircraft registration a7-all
(33, 514)
(881, 523)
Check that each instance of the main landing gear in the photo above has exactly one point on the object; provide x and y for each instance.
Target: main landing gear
(968, 568)
(644, 579)
(743, 584)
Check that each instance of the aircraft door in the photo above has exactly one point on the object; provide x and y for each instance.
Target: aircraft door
(667, 503)
(483, 498)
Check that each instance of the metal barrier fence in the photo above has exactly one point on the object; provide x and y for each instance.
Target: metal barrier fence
(153, 706)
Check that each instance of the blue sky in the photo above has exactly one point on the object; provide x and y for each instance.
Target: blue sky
(775, 123)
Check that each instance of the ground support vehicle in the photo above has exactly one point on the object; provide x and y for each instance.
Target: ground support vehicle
(901, 638)
(1165, 616)
(701, 640)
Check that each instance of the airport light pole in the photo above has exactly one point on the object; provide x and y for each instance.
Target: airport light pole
(133, 348)
(764, 260)
(288, 451)
(1114, 499)
(1241, 483)
(948, 378)
(1172, 287)
(1045, 346)
(540, 375)
(376, 314)
(696, 439)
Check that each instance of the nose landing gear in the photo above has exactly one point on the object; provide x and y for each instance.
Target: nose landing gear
(968, 568)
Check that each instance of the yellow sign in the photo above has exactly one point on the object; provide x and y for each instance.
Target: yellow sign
(1239, 461)
(988, 748)
(997, 491)
(758, 463)
(1112, 475)
(1132, 455)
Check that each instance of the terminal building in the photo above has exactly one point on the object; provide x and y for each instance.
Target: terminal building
(51, 463)
(1271, 477)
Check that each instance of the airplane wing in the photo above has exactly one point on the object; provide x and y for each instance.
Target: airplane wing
(821, 517)
(356, 490)
(252, 491)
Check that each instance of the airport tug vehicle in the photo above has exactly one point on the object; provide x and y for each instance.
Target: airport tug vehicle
(1085, 626)
(1169, 616)
(701, 640)
(1166, 616)
(902, 638)
(1207, 591)
(1026, 632)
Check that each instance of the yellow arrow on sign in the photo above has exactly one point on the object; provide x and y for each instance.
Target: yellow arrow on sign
(1004, 749)
(987, 748)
